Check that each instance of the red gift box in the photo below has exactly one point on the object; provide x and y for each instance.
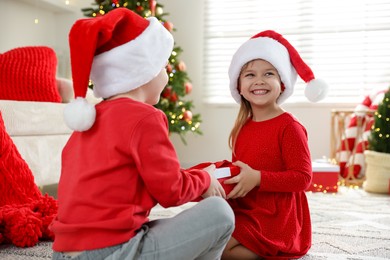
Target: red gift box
(224, 170)
(325, 177)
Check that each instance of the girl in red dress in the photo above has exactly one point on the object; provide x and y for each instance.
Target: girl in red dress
(271, 148)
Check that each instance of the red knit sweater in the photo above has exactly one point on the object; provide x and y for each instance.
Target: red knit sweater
(274, 220)
(114, 173)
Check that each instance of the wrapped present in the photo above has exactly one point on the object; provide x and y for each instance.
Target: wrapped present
(224, 170)
(325, 177)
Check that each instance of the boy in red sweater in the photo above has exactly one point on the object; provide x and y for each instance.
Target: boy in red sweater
(270, 146)
(119, 163)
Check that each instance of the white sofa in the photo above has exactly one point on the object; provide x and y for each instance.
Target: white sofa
(39, 133)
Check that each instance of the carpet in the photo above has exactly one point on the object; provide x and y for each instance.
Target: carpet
(349, 225)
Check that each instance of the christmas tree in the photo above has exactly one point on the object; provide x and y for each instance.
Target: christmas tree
(379, 139)
(178, 111)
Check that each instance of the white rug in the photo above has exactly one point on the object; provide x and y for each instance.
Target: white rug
(348, 225)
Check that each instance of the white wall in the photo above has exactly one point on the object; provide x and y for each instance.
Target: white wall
(187, 16)
(54, 21)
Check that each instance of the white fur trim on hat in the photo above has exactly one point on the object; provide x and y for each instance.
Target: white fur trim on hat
(79, 115)
(133, 64)
(271, 51)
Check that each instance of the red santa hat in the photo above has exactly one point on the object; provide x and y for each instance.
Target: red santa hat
(272, 47)
(119, 52)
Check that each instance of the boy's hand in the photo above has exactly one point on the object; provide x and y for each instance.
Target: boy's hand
(245, 181)
(215, 188)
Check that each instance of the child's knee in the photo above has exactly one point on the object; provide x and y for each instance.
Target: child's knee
(220, 210)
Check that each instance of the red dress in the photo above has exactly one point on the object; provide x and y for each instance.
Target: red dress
(273, 220)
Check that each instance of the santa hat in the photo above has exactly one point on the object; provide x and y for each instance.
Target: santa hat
(119, 51)
(272, 47)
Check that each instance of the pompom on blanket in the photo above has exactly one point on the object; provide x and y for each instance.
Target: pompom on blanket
(25, 214)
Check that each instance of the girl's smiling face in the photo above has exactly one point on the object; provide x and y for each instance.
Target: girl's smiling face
(259, 83)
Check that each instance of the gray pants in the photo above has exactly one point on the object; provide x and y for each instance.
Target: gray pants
(200, 232)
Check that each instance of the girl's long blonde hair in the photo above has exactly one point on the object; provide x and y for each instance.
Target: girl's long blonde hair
(244, 113)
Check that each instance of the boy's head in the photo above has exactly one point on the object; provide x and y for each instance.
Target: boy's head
(272, 47)
(119, 52)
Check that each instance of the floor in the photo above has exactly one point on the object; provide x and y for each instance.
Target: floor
(350, 224)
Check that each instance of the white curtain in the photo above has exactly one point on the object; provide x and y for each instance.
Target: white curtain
(345, 42)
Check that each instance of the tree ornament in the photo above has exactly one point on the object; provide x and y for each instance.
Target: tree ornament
(188, 87)
(168, 25)
(181, 66)
(169, 68)
(187, 115)
(167, 92)
(139, 9)
(152, 5)
(173, 97)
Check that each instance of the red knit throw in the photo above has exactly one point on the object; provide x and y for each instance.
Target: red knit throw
(25, 214)
(29, 74)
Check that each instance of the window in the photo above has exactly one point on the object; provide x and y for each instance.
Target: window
(346, 43)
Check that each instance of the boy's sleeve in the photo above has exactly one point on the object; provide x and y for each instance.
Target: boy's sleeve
(159, 167)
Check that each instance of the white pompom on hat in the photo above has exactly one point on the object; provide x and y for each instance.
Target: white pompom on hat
(119, 51)
(274, 48)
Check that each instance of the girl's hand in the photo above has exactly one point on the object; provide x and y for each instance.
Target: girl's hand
(215, 188)
(245, 181)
